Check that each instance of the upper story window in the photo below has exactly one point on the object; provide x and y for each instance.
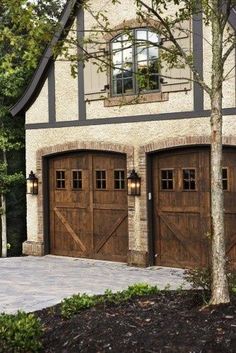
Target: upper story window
(135, 62)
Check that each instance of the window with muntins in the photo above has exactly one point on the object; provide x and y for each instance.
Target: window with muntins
(189, 179)
(101, 179)
(225, 179)
(135, 62)
(77, 179)
(119, 179)
(60, 179)
(167, 179)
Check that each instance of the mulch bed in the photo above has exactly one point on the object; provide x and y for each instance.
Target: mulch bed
(169, 322)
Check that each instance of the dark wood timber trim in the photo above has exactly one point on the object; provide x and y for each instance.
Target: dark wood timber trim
(45, 192)
(130, 119)
(51, 94)
(80, 78)
(198, 60)
(150, 210)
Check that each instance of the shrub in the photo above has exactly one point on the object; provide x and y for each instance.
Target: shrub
(200, 278)
(20, 333)
(138, 289)
(141, 289)
(71, 306)
(77, 302)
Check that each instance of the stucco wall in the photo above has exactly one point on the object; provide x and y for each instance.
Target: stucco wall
(38, 112)
(229, 83)
(178, 102)
(67, 105)
(136, 135)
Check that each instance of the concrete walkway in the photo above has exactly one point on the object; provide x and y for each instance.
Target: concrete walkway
(33, 283)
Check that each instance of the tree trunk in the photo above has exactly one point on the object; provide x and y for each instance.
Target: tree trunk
(220, 291)
(4, 226)
(4, 217)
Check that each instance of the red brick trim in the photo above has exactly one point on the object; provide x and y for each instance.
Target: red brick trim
(136, 99)
(184, 141)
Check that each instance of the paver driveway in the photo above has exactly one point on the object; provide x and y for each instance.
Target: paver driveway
(33, 283)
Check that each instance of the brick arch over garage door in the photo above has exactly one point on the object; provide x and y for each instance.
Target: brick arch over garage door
(182, 216)
(43, 157)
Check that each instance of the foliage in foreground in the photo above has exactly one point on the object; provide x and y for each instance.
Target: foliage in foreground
(20, 333)
(201, 278)
(73, 305)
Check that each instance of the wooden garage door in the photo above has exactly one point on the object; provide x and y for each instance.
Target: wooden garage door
(88, 206)
(182, 225)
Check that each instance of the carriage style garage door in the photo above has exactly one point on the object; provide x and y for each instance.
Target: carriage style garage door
(88, 206)
(181, 188)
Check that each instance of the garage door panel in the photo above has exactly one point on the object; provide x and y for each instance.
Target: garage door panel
(110, 237)
(176, 200)
(79, 198)
(79, 163)
(175, 228)
(180, 207)
(71, 231)
(230, 232)
(194, 224)
(102, 197)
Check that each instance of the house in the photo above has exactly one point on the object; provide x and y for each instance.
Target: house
(85, 135)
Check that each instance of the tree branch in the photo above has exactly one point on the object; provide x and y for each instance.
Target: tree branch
(182, 53)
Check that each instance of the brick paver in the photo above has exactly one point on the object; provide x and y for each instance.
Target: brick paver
(33, 283)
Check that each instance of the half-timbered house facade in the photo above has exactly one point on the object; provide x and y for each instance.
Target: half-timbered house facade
(84, 135)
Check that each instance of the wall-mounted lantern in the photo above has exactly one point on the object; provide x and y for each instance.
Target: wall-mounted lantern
(134, 184)
(32, 184)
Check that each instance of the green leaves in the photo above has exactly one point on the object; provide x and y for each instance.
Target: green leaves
(71, 306)
(25, 30)
(20, 333)
(6, 180)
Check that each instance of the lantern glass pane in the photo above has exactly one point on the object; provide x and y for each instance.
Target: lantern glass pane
(35, 187)
(30, 186)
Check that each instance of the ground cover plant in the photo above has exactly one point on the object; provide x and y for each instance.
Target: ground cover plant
(139, 319)
(20, 333)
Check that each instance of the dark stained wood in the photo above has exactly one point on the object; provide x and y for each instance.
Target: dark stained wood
(105, 239)
(88, 222)
(182, 218)
(69, 229)
(182, 224)
(229, 161)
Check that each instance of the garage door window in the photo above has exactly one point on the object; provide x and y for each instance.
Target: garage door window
(60, 179)
(119, 179)
(101, 180)
(189, 179)
(77, 179)
(167, 182)
(225, 178)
